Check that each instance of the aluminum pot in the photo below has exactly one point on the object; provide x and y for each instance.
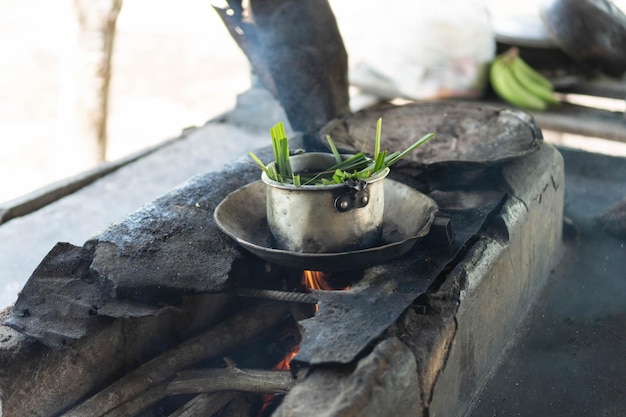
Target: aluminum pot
(324, 218)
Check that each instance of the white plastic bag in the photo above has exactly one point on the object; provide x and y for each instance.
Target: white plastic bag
(426, 49)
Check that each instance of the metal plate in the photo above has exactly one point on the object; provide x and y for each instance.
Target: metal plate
(408, 216)
(466, 133)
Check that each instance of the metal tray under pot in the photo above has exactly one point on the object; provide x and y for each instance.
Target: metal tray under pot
(408, 215)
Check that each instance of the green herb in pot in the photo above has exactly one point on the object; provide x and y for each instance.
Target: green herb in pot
(354, 168)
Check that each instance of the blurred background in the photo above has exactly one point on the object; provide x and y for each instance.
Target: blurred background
(174, 65)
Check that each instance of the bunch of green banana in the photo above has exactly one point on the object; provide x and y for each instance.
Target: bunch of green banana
(515, 82)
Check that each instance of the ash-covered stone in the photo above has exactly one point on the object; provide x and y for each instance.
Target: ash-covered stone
(171, 246)
(135, 268)
(383, 383)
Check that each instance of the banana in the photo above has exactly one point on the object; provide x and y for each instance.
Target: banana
(509, 89)
(518, 83)
(532, 81)
(522, 67)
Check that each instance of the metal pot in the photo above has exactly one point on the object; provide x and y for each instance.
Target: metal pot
(324, 218)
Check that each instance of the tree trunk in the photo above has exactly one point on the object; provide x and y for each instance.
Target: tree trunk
(85, 79)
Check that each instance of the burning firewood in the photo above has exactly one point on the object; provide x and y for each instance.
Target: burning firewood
(147, 384)
(232, 378)
(204, 404)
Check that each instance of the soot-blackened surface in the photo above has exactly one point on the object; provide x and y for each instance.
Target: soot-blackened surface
(146, 262)
(348, 321)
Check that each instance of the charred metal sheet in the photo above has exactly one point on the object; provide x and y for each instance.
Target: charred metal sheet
(62, 300)
(302, 61)
(440, 233)
(348, 321)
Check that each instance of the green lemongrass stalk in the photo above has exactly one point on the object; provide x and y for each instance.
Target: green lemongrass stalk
(379, 161)
(379, 127)
(333, 148)
(396, 158)
(356, 167)
(280, 146)
(271, 175)
(353, 163)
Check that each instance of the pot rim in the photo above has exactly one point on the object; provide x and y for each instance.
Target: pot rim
(379, 176)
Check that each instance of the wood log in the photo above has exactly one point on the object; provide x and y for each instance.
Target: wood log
(207, 381)
(236, 330)
(205, 404)
(140, 402)
(231, 378)
(244, 405)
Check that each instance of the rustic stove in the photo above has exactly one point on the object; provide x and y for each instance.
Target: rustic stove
(138, 321)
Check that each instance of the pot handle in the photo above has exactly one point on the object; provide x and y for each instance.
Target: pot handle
(352, 199)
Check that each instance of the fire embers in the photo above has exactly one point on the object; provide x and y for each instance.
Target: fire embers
(311, 280)
(271, 401)
(318, 280)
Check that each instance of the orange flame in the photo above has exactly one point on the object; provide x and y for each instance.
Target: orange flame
(282, 365)
(316, 280)
(312, 280)
(286, 362)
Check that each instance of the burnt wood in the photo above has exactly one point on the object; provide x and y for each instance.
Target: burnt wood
(262, 381)
(205, 404)
(150, 379)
